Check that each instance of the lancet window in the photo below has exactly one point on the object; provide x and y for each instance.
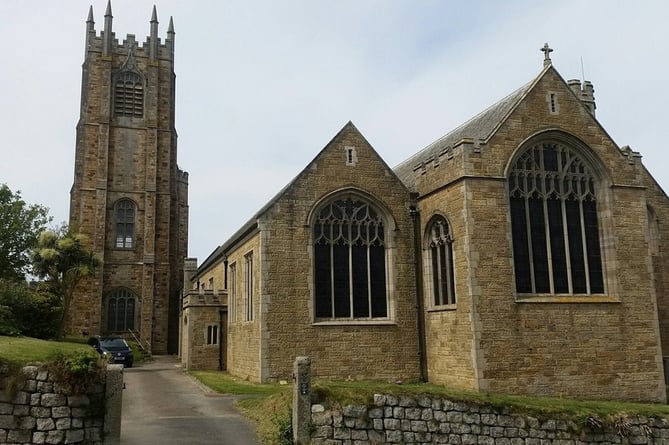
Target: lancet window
(124, 216)
(440, 262)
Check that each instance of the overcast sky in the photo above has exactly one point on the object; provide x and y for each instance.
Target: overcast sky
(262, 86)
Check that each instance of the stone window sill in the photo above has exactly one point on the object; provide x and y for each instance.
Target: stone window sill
(443, 308)
(564, 298)
(354, 323)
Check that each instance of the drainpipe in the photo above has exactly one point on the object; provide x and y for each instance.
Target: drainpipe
(225, 273)
(420, 312)
(220, 316)
(220, 340)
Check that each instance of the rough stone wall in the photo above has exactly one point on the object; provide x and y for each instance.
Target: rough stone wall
(127, 157)
(40, 410)
(244, 336)
(386, 349)
(658, 239)
(430, 420)
(597, 347)
(450, 329)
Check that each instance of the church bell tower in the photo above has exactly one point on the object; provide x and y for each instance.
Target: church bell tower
(129, 196)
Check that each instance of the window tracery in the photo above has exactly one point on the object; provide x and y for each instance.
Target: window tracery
(349, 261)
(440, 260)
(553, 203)
(121, 311)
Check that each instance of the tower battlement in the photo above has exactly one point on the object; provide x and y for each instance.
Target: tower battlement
(165, 49)
(107, 43)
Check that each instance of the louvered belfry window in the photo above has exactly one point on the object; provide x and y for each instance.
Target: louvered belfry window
(129, 95)
(554, 220)
(349, 261)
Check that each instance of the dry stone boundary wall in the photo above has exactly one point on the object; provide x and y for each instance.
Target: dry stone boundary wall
(429, 420)
(40, 410)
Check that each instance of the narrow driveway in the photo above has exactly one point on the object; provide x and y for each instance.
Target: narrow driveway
(162, 405)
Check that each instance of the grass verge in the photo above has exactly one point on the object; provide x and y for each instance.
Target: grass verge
(362, 392)
(268, 405)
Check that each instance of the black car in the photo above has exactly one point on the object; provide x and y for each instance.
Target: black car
(114, 349)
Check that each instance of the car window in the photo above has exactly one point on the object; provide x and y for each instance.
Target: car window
(113, 343)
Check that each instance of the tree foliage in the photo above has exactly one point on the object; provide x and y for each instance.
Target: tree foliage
(20, 225)
(31, 311)
(63, 258)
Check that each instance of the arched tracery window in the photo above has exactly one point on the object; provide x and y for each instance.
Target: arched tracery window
(439, 247)
(350, 274)
(553, 200)
(129, 94)
(121, 310)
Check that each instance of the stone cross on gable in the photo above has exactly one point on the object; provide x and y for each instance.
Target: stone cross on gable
(547, 50)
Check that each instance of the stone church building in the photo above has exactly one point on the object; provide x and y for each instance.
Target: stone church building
(523, 252)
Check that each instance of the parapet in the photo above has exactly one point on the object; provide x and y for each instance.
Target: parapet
(107, 43)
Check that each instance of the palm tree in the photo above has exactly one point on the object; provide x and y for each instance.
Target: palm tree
(63, 258)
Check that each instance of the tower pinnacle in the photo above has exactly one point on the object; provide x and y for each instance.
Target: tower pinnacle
(153, 48)
(107, 32)
(90, 15)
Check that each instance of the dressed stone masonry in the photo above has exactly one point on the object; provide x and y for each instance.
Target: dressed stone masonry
(41, 410)
(434, 420)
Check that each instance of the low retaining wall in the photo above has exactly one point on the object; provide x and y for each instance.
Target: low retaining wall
(40, 410)
(428, 420)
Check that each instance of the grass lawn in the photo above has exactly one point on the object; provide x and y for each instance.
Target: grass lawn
(22, 350)
(268, 405)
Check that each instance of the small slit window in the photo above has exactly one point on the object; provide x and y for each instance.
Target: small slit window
(552, 103)
(351, 155)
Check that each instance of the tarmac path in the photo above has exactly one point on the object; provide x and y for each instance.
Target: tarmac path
(162, 405)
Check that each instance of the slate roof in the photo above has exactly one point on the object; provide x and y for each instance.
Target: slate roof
(479, 128)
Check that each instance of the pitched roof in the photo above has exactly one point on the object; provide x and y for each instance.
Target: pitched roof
(479, 128)
(251, 225)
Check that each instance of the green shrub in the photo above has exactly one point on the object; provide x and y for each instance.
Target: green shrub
(8, 324)
(30, 311)
(40, 314)
(78, 371)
